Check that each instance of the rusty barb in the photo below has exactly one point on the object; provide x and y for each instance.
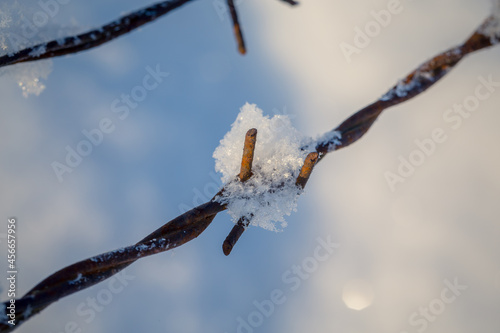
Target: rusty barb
(246, 173)
(238, 34)
(306, 170)
(247, 159)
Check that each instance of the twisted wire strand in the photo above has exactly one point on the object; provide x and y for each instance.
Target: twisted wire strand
(422, 78)
(92, 38)
(110, 31)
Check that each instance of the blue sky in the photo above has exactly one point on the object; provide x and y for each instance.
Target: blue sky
(398, 250)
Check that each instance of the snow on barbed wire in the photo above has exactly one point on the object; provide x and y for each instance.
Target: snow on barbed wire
(22, 26)
(271, 193)
(491, 27)
(29, 77)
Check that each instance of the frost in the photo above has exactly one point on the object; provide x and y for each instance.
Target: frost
(77, 279)
(333, 137)
(5, 20)
(270, 193)
(144, 247)
(17, 34)
(38, 51)
(20, 27)
(402, 88)
(29, 76)
(491, 27)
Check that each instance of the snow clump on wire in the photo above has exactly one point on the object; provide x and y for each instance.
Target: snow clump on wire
(20, 28)
(271, 193)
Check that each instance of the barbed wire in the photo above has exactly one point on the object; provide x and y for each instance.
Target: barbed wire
(92, 38)
(191, 224)
(412, 85)
(110, 31)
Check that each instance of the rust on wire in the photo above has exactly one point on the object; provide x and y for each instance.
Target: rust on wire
(234, 235)
(191, 224)
(244, 222)
(238, 34)
(91, 271)
(245, 174)
(247, 158)
(418, 81)
(306, 170)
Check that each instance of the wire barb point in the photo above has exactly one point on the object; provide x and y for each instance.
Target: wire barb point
(245, 174)
(247, 158)
(234, 235)
(306, 170)
(238, 34)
